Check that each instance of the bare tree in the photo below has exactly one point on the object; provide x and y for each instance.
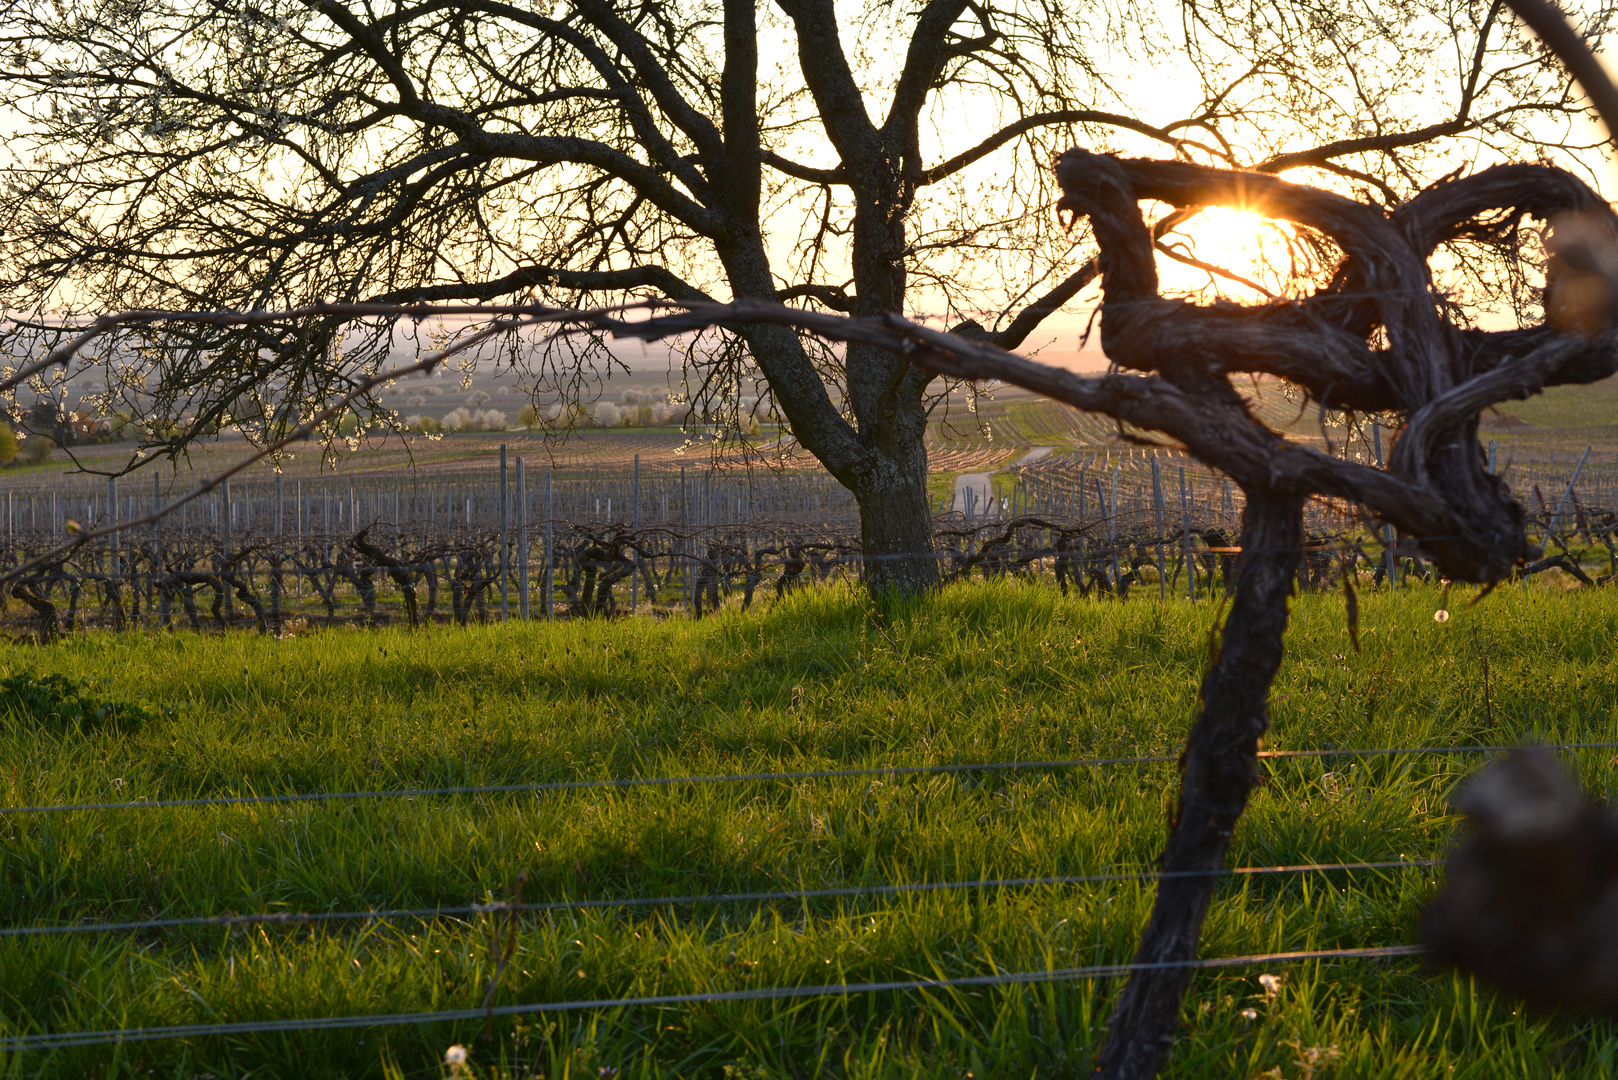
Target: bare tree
(222, 154)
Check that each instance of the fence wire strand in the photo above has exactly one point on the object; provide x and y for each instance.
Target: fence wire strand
(46, 1041)
(298, 918)
(760, 777)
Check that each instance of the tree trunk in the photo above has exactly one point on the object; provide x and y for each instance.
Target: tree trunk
(896, 521)
(882, 455)
(1217, 772)
(896, 532)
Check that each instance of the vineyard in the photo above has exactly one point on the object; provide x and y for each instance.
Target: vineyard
(502, 542)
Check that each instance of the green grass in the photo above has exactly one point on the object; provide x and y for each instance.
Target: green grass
(1583, 409)
(981, 672)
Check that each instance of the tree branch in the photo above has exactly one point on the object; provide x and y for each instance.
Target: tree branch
(1388, 275)
(641, 122)
(1367, 145)
(738, 92)
(534, 277)
(804, 172)
(832, 296)
(373, 46)
(559, 149)
(831, 83)
(653, 73)
(924, 58)
(1044, 119)
(1035, 313)
(568, 149)
(1209, 268)
(1017, 331)
(1442, 211)
(1559, 35)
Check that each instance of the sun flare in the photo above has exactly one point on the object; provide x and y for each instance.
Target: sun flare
(1246, 245)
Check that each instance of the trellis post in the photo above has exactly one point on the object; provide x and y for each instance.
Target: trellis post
(522, 542)
(1387, 530)
(1157, 507)
(634, 574)
(1185, 525)
(505, 610)
(550, 557)
(1112, 535)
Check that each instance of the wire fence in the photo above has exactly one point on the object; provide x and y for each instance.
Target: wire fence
(60, 1040)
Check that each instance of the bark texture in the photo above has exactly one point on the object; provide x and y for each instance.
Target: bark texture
(896, 526)
(1217, 773)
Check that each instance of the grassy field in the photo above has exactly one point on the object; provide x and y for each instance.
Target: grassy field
(986, 672)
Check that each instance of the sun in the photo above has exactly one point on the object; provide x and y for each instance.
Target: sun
(1227, 251)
